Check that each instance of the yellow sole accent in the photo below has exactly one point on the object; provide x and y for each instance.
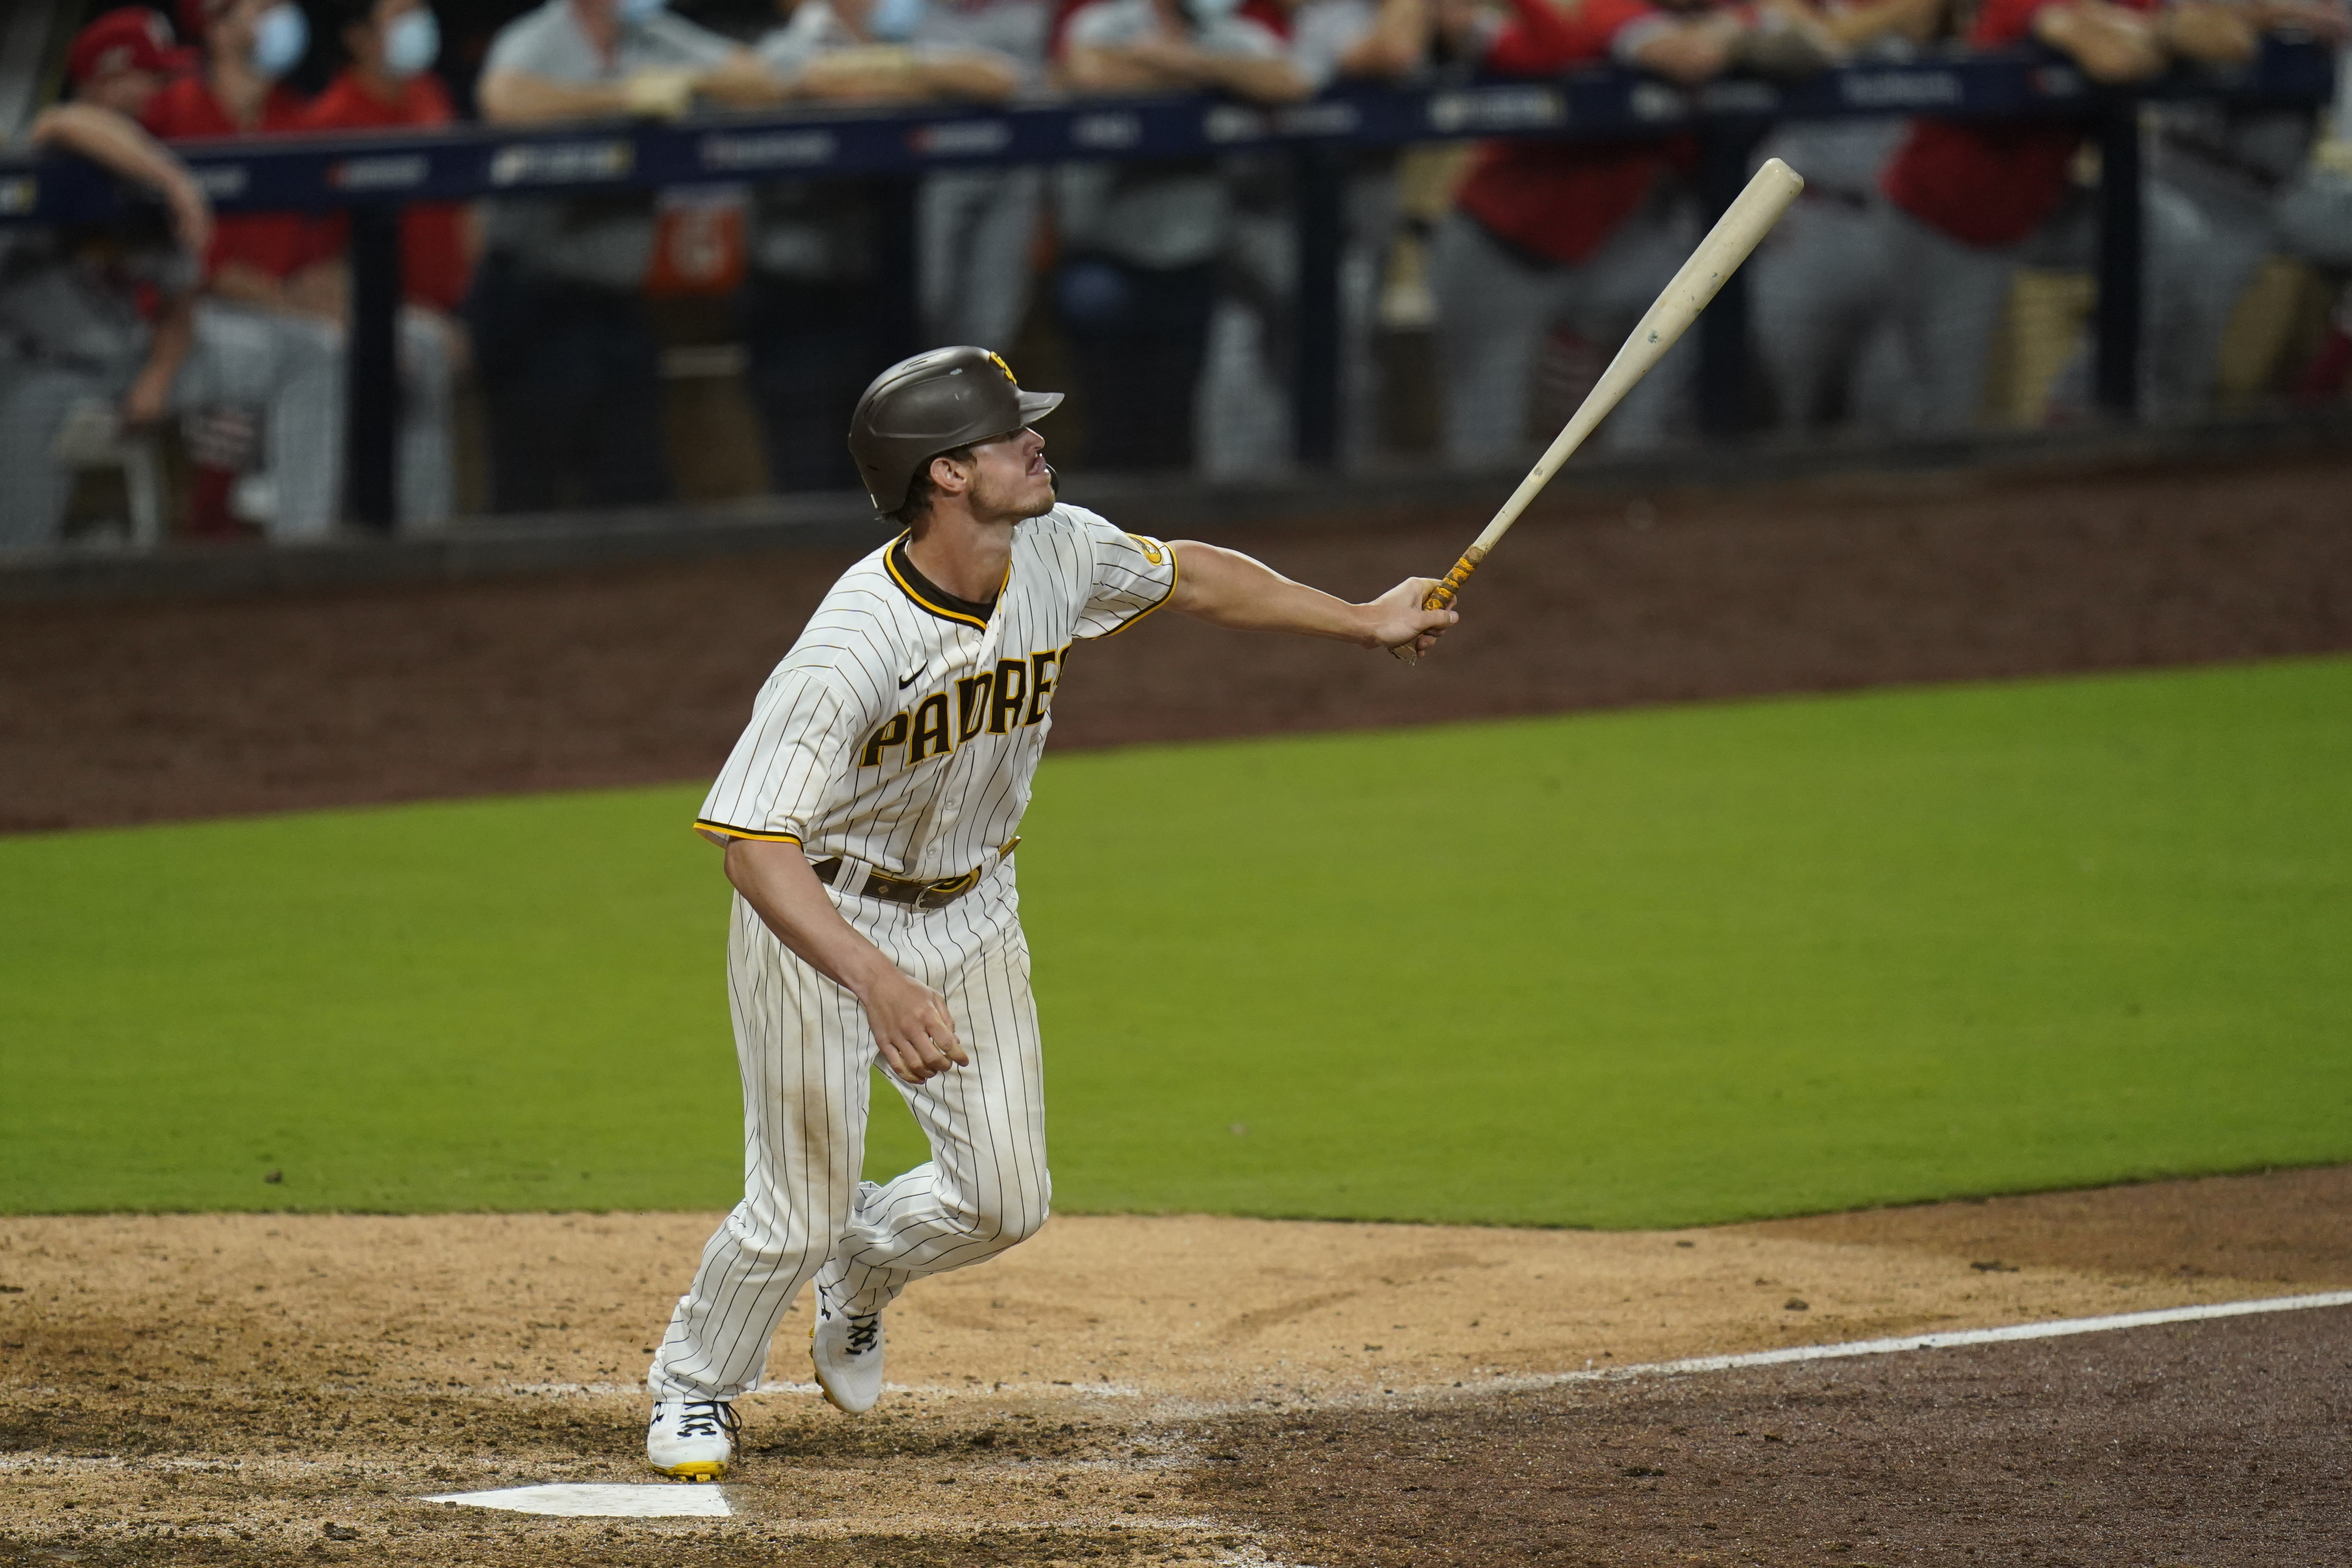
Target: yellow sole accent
(702, 1472)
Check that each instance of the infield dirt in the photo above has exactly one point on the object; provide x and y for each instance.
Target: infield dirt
(223, 1388)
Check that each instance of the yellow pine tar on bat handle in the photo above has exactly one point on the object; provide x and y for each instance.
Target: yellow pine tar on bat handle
(1443, 594)
(1718, 256)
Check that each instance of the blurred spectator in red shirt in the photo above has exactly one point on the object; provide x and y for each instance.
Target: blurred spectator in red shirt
(266, 262)
(389, 85)
(248, 45)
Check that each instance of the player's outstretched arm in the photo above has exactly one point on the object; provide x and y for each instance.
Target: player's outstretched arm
(911, 1023)
(1226, 588)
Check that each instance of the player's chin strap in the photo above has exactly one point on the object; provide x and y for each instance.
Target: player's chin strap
(857, 880)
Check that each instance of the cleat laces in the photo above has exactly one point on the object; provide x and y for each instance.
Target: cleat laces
(707, 1418)
(864, 1328)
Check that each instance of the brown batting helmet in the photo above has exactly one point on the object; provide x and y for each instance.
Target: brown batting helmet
(931, 403)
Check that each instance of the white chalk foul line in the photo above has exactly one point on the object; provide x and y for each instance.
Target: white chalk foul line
(1957, 1339)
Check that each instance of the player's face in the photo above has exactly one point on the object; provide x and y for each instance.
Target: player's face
(1010, 479)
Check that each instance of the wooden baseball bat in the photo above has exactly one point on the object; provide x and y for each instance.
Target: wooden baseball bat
(1718, 256)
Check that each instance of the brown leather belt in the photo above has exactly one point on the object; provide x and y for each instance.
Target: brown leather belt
(841, 874)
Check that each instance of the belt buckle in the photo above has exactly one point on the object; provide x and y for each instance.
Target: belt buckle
(946, 890)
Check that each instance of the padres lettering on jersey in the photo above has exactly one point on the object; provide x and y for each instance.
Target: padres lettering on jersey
(1012, 696)
(903, 729)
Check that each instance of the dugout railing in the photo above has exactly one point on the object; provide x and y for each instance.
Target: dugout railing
(373, 176)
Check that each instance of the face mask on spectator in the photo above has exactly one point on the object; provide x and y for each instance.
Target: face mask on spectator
(412, 43)
(641, 10)
(1204, 11)
(893, 21)
(280, 39)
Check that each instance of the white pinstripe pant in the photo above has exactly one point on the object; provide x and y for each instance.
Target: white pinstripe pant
(805, 1051)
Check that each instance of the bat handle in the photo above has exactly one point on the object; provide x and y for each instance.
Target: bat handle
(1442, 597)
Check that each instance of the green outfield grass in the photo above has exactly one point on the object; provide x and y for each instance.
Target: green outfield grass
(1649, 968)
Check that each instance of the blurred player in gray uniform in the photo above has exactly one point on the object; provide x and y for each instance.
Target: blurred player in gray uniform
(2315, 215)
(1821, 287)
(2235, 169)
(1143, 243)
(869, 814)
(568, 362)
(1372, 40)
(80, 360)
(974, 227)
(1245, 412)
(815, 313)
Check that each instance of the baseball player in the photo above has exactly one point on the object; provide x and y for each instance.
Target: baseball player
(869, 814)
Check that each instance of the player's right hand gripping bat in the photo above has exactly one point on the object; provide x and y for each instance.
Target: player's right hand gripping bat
(1718, 256)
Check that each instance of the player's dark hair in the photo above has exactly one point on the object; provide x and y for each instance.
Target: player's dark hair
(919, 490)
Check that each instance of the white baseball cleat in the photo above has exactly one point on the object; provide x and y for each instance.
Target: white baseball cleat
(692, 1439)
(847, 1350)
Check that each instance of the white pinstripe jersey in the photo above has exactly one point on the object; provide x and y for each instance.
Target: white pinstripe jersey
(904, 733)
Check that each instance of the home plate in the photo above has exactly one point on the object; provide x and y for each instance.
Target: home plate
(606, 1500)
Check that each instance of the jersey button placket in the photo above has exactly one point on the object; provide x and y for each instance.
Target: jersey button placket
(950, 806)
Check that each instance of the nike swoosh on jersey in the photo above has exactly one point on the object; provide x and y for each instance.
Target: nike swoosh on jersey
(914, 678)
